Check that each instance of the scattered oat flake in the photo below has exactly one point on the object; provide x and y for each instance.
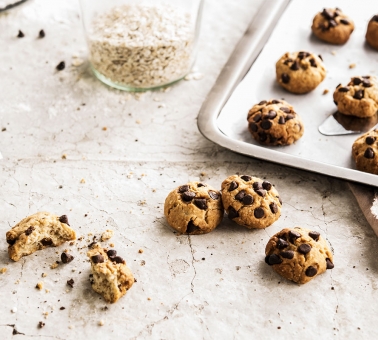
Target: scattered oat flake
(107, 235)
(101, 323)
(39, 285)
(82, 181)
(140, 251)
(64, 156)
(325, 91)
(3, 270)
(352, 65)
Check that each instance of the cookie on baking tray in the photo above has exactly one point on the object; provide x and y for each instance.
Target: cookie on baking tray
(274, 122)
(372, 32)
(365, 152)
(298, 254)
(251, 201)
(300, 72)
(194, 208)
(333, 26)
(110, 276)
(359, 98)
(37, 232)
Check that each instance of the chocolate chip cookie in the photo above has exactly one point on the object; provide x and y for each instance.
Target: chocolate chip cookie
(251, 201)
(372, 32)
(300, 72)
(194, 208)
(298, 254)
(274, 122)
(365, 152)
(359, 98)
(37, 232)
(333, 26)
(110, 276)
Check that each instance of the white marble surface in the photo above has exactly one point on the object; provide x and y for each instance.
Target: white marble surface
(214, 286)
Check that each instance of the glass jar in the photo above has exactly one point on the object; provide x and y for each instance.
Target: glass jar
(138, 45)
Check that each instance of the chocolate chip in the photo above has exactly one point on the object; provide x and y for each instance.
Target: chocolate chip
(263, 136)
(213, 194)
(47, 242)
(285, 78)
(288, 117)
(313, 62)
(199, 185)
(11, 242)
(369, 153)
(66, 258)
(111, 253)
(281, 244)
(29, 231)
(259, 213)
(295, 66)
(285, 109)
(41, 324)
(304, 248)
(332, 23)
(275, 101)
(191, 227)
(365, 77)
(247, 200)
(232, 213)
(272, 139)
(90, 245)
(240, 195)
(374, 18)
(320, 57)
(62, 308)
(41, 34)
(293, 235)
(64, 219)
(20, 34)
(271, 115)
(273, 208)
(311, 271)
(287, 61)
(366, 83)
(257, 186)
(97, 258)
(314, 235)
(327, 14)
(233, 186)
(118, 259)
(335, 102)
(370, 140)
(200, 203)
(267, 259)
(253, 127)
(281, 120)
(266, 124)
(288, 254)
(279, 199)
(61, 66)
(344, 22)
(261, 192)
(246, 178)
(257, 118)
(263, 102)
(183, 188)
(343, 89)
(267, 185)
(357, 81)
(330, 265)
(274, 259)
(303, 54)
(359, 94)
(187, 196)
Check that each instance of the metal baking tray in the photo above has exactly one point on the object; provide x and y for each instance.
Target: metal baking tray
(249, 77)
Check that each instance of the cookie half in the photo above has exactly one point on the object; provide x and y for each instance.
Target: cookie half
(298, 254)
(365, 152)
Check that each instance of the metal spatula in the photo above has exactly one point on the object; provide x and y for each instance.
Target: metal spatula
(339, 124)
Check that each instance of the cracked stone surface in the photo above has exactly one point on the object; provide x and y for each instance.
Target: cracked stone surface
(209, 286)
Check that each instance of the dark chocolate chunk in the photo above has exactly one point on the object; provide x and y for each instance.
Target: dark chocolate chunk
(330, 265)
(304, 248)
(285, 78)
(187, 196)
(64, 219)
(213, 194)
(293, 235)
(359, 94)
(295, 66)
(257, 118)
(369, 153)
(183, 188)
(272, 139)
(320, 57)
(62, 308)
(61, 66)
(285, 109)
(200, 203)
(261, 192)
(275, 101)
(240, 195)
(257, 186)
(273, 208)
(41, 324)
(97, 258)
(191, 227)
(311, 271)
(267, 185)
(289, 116)
(29, 230)
(20, 34)
(288, 254)
(370, 140)
(313, 62)
(118, 259)
(274, 259)
(66, 258)
(253, 127)
(374, 18)
(41, 34)
(263, 136)
(199, 185)
(287, 61)
(266, 124)
(366, 83)
(11, 242)
(233, 186)
(271, 115)
(232, 213)
(47, 242)
(279, 200)
(343, 89)
(267, 259)
(259, 213)
(111, 253)
(344, 22)
(281, 120)
(263, 102)
(314, 235)
(303, 54)
(357, 81)
(332, 23)
(365, 77)
(246, 178)
(247, 200)
(281, 243)
(327, 14)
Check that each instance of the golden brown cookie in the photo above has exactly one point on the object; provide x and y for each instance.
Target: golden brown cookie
(300, 72)
(365, 152)
(359, 98)
(333, 26)
(110, 276)
(372, 32)
(194, 208)
(251, 201)
(274, 122)
(37, 232)
(298, 254)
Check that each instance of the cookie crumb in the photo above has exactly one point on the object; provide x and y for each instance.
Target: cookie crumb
(333, 52)
(107, 235)
(64, 156)
(39, 285)
(66, 258)
(4, 129)
(104, 128)
(101, 323)
(82, 181)
(3, 270)
(77, 61)
(352, 65)
(111, 245)
(14, 310)
(47, 290)
(140, 251)
(203, 174)
(149, 299)
(54, 265)
(45, 314)
(41, 324)
(325, 91)
(44, 274)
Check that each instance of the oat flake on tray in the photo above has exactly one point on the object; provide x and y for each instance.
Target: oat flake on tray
(142, 46)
